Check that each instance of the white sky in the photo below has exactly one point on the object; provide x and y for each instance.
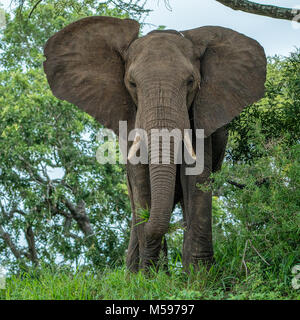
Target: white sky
(276, 36)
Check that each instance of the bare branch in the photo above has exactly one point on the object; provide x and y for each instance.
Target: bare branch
(243, 258)
(262, 9)
(78, 213)
(236, 184)
(32, 172)
(8, 241)
(258, 183)
(9, 215)
(29, 235)
(33, 8)
(67, 227)
(262, 258)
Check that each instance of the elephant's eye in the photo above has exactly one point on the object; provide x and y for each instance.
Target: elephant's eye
(132, 84)
(190, 81)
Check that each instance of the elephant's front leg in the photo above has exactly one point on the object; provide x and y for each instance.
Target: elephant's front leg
(139, 193)
(132, 258)
(197, 208)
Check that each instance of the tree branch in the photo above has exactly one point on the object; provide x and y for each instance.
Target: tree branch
(78, 213)
(262, 9)
(32, 172)
(29, 235)
(258, 183)
(243, 258)
(7, 239)
(34, 7)
(10, 214)
(67, 227)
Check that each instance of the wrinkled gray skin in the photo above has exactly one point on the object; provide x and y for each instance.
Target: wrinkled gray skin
(198, 79)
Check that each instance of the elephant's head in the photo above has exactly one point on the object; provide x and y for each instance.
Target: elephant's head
(200, 78)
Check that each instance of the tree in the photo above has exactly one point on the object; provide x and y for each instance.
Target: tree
(132, 7)
(79, 214)
(23, 39)
(258, 186)
(136, 9)
(276, 113)
(64, 215)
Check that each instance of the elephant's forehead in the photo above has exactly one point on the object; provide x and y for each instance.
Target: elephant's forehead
(162, 45)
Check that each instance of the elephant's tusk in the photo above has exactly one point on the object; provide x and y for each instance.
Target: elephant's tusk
(135, 146)
(189, 146)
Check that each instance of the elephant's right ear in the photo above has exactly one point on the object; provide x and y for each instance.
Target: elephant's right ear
(84, 65)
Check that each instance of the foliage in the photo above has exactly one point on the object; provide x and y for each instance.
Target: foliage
(263, 218)
(48, 165)
(257, 219)
(143, 214)
(118, 284)
(24, 37)
(57, 205)
(276, 113)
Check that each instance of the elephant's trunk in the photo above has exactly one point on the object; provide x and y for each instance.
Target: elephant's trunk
(162, 179)
(162, 182)
(162, 176)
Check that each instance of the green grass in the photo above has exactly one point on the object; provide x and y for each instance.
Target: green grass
(120, 284)
(229, 279)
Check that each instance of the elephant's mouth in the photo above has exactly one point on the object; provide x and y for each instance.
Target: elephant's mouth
(165, 150)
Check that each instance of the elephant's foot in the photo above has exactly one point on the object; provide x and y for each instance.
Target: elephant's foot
(196, 263)
(132, 258)
(150, 256)
(155, 254)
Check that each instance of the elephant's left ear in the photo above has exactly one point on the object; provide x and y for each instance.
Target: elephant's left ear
(233, 72)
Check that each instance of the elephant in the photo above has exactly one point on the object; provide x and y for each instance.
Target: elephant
(194, 79)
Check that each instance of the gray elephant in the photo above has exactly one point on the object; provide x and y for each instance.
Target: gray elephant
(200, 78)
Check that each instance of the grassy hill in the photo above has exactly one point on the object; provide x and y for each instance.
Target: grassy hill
(120, 284)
